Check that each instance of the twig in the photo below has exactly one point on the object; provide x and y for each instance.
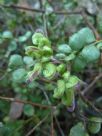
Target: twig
(22, 7)
(80, 12)
(88, 102)
(39, 10)
(56, 120)
(52, 125)
(43, 18)
(88, 89)
(33, 129)
(26, 102)
(90, 25)
(58, 125)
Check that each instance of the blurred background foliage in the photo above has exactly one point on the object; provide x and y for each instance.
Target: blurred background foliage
(16, 28)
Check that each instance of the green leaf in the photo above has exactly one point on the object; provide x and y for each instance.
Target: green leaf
(78, 130)
(90, 53)
(40, 40)
(28, 61)
(49, 70)
(75, 42)
(15, 61)
(70, 57)
(7, 35)
(12, 46)
(94, 125)
(99, 46)
(59, 91)
(24, 37)
(87, 35)
(66, 76)
(61, 68)
(72, 81)
(28, 110)
(68, 97)
(19, 75)
(47, 51)
(64, 48)
(33, 52)
(79, 63)
(34, 73)
(60, 56)
(83, 37)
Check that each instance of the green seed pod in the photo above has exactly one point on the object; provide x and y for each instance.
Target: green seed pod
(61, 68)
(64, 48)
(49, 70)
(59, 91)
(94, 125)
(90, 53)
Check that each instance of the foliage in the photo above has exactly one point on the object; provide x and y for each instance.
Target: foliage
(46, 60)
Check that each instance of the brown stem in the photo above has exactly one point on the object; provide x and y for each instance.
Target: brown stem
(88, 89)
(90, 25)
(26, 102)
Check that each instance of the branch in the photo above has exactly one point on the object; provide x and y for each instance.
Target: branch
(33, 129)
(90, 25)
(26, 102)
(88, 102)
(22, 7)
(80, 12)
(88, 89)
(38, 10)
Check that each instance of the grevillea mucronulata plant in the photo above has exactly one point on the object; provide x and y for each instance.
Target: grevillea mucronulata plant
(57, 66)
